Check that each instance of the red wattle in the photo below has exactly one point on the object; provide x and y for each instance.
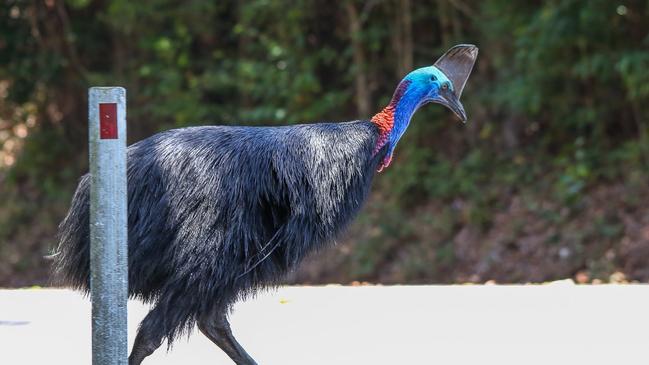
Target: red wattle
(384, 121)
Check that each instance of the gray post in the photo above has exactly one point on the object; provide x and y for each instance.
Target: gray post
(108, 224)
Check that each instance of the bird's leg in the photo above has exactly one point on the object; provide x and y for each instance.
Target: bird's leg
(217, 328)
(147, 339)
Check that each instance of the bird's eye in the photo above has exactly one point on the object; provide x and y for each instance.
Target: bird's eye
(433, 78)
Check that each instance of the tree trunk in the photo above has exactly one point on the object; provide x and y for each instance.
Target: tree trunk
(445, 22)
(361, 86)
(402, 38)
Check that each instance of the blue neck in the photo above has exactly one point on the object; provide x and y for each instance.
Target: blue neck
(404, 110)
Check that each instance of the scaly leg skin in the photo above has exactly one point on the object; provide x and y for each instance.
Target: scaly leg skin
(146, 340)
(217, 328)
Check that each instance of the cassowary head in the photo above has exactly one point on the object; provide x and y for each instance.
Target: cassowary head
(441, 83)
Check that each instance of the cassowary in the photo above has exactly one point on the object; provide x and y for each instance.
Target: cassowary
(218, 212)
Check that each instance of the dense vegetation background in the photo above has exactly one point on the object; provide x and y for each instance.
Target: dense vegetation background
(547, 180)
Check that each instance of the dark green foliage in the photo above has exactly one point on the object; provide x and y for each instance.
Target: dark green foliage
(557, 107)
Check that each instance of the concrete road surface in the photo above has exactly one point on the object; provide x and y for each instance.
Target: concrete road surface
(542, 324)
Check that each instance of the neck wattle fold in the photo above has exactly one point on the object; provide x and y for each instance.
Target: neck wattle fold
(385, 123)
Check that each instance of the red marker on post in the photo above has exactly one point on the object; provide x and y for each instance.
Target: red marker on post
(108, 120)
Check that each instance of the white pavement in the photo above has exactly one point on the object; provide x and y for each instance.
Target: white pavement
(538, 324)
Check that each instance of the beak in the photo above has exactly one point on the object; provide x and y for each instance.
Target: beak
(451, 101)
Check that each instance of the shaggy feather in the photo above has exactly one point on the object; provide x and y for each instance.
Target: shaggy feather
(216, 213)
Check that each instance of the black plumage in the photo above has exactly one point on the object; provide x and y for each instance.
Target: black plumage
(216, 213)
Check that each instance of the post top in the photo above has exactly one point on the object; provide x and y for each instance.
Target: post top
(106, 88)
(107, 91)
